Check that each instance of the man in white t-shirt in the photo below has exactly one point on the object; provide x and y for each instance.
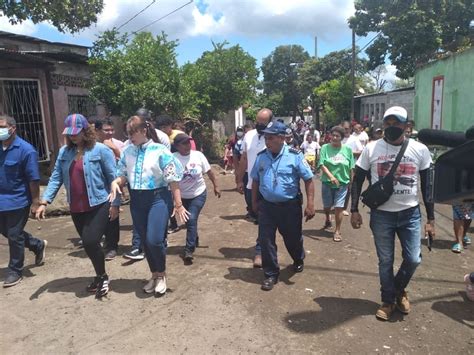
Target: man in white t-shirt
(360, 134)
(350, 140)
(253, 143)
(400, 215)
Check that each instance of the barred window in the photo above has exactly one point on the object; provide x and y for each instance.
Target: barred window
(82, 104)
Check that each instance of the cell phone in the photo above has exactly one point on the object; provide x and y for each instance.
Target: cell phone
(429, 241)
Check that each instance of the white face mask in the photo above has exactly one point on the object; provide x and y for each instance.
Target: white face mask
(4, 134)
(239, 134)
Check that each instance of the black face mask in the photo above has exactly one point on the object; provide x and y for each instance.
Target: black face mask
(392, 133)
(260, 127)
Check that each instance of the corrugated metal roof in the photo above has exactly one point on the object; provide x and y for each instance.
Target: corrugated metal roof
(14, 36)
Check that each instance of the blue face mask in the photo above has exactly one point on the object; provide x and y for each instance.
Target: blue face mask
(4, 134)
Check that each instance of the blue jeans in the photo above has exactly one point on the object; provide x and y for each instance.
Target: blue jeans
(194, 207)
(407, 225)
(12, 224)
(333, 197)
(136, 240)
(150, 211)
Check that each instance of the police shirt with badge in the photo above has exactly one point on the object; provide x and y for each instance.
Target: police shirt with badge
(278, 177)
(379, 156)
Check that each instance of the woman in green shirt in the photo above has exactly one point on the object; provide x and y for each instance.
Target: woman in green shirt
(336, 163)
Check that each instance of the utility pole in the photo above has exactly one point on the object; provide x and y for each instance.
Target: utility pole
(315, 47)
(353, 74)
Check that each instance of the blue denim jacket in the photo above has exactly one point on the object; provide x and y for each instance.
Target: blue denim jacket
(99, 172)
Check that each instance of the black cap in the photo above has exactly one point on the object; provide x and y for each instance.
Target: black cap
(181, 138)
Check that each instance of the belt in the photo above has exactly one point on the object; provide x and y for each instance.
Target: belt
(284, 203)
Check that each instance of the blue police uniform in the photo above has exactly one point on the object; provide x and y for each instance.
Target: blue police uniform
(279, 178)
(18, 167)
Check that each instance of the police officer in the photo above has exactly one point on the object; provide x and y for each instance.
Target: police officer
(276, 175)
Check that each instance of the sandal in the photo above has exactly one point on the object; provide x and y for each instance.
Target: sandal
(456, 248)
(337, 237)
(466, 240)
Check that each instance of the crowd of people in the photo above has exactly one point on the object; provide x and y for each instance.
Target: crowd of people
(160, 172)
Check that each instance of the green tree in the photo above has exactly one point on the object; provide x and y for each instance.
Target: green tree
(411, 32)
(223, 79)
(65, 15)
(280, 73)
(334, 96)
(141, 73)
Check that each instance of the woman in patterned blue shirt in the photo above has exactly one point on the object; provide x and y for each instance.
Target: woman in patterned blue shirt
(150, 168)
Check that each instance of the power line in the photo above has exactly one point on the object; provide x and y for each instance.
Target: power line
(138, 13)
(162, 17)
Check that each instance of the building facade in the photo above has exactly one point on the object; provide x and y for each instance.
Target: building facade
(444, 93)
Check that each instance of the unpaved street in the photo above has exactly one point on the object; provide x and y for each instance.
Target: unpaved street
(216, 305)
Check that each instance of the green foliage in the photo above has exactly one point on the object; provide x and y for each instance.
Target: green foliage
(65, 15)
(280, 72)
(141, 73)
(222, 79)
(413, 32)
(334, 96)
(404, 83)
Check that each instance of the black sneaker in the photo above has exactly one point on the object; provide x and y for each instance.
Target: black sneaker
(92, 287)
(327, 225)
(110, 255)
(134, 254)
(12, 279)
(102, 286)
(41, 253)
(188, 256)
(269, 282)
(298, 266)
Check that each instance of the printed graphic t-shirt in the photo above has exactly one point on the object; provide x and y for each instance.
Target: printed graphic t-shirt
(195, 165)
(379, 157)
(339, 161)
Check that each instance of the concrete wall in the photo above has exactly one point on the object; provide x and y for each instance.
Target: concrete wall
(457, 112)
(375, 105)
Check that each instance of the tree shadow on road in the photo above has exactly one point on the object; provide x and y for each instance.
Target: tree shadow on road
(255, 276)
(317, 233)
(334, 311)
(439, 243)
(233, 217)
(460, 311)
(238, 253)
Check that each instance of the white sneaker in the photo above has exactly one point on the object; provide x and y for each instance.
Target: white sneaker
(345, 213)
(150, 286)
(160, 287)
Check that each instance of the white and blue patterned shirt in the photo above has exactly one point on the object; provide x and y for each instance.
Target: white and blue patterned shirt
(149, 166)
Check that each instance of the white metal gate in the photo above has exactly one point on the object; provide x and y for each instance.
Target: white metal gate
(21, 99)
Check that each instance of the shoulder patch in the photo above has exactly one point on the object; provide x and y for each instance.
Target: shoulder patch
(261, 152)
(294, 150)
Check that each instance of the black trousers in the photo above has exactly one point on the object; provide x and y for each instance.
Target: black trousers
(91, 226)
(287, 218)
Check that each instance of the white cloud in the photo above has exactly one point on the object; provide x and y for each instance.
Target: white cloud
(255, 18)
(25, 28)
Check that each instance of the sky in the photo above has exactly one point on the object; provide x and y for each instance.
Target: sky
(258, 26)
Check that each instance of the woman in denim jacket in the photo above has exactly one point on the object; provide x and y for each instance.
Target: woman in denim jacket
(86, 169)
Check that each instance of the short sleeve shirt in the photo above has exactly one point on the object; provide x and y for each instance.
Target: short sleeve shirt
(149, 166)
(339, 161)
(252, 144)
(279, 177)
(18, 167)
(353, 143)
(379, 156)
(195, 165)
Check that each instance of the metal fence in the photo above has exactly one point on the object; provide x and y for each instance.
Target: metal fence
(21, 99)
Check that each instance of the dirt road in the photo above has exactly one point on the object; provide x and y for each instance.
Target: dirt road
(216, 305)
